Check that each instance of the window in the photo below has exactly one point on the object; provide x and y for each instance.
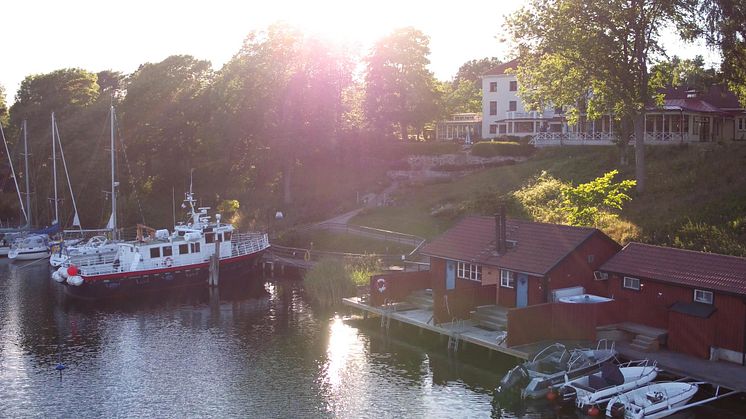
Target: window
(227, 236)
(209, 237)
(219, 237)
(493, 129)
(503, 129)
(524, 127)
(167, 251)
(631, 283)
(195, 247)
(512, 106)
(493, 86)
(513, 86)
(740, 124)
(155, 252)
(702, 296)
(469, 271)
(183, 249)
(507, 279)
(493, 107)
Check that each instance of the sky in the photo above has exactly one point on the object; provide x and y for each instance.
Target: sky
(40, 36)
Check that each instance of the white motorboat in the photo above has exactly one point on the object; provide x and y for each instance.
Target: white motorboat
(595, 390)
(30, 248)
(552, 366)
(653, 401)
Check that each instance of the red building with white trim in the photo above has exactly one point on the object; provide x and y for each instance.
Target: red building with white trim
(699, 298)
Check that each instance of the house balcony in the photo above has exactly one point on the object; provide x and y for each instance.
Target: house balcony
(524, 115)
(547, 139)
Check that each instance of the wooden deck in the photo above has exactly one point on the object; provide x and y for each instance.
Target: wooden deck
(462, 331)
(718, 373)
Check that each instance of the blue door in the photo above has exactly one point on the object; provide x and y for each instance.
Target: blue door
(450, 275)
(521, 298)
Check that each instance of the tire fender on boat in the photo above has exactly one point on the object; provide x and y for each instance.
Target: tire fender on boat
(63, 272)
(57, 277)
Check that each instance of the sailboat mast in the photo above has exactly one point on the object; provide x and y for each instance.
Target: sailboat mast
(13, 174)
(113, 182)
(26, 173)
(54, 173)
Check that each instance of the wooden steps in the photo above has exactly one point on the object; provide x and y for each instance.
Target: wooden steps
(645, 343)
(491, 317)
(642, 338)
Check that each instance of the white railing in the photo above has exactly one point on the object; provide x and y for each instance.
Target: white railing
(544, 139)
(524, 115)
(247, 243)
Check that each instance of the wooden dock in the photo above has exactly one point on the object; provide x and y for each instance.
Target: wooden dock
(458, 333)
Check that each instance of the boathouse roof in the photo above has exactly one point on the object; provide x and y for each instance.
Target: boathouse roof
(533, 248)
(684, 267)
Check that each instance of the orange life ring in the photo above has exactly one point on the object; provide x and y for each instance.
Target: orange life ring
(168, 261)
(381, 285)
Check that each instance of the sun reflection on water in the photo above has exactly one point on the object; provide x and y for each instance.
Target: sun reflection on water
(341, 371)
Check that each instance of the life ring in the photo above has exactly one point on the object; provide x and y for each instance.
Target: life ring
(168, 261)
(381, 285)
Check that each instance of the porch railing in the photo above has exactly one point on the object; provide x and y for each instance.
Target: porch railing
(544, 139)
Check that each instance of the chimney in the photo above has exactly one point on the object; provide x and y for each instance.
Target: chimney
(500, 231)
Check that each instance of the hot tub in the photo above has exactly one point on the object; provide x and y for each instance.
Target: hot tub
(584, 299)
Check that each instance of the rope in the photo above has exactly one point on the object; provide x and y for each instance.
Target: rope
(129, 170)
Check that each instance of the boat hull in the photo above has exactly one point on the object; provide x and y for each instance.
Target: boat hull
(4, 251)
(120, 285)
(28, 255)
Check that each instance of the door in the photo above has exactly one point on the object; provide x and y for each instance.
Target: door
(450, 275)
(521, 298)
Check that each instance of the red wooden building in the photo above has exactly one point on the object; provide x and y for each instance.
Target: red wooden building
(700, 298)
(511, 263)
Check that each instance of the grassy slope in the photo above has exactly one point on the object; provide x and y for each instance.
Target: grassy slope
(703, 183)
(340, 242)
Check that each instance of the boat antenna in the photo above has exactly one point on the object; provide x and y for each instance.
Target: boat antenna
(173, 204)
(13, 172)
(113, 181)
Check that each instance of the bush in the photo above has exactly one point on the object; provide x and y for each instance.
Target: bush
(328, 282)
(501, 148)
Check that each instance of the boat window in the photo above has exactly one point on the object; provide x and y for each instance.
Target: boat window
(220, 237)
(181, 233)
(209, 237)
(183, 249)
(227, 236)
(195, 247)
(155, 252)
(631, 283)
(167, 251)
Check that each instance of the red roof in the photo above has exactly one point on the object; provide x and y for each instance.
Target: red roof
(683, 267)
(500, 69)
(717, 95)
(538, 246)
(691, 104)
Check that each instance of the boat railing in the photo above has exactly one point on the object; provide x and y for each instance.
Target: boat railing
(88, 265)
(248, 243)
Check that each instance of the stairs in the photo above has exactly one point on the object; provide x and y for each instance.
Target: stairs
(422, 299)
(644, 343)
(491, 317)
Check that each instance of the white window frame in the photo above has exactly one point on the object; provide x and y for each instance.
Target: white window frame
(469, 271)
(703, 293)
(507, 278)
(630, 286)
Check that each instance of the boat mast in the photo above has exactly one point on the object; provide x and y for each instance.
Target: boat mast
(13, 173)
(54, 173)
(113, 182)
(26, 173)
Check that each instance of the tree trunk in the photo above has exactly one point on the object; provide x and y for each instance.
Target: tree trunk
(639, 122)
(625, 132)
(286, 180)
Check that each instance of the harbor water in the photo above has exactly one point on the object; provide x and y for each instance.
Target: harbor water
(257, 349)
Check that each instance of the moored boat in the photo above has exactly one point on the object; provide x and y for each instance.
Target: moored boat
(653, 401)
(159, 259)
(552, 366)
(595, 390)
(30, 248)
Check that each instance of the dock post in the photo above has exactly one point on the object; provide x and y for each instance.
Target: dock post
(214, 267)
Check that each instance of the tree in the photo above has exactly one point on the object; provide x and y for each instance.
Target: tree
(722, 23)
(585, 204)
(3, 108)
(460, 97)
(593, 57)
(688, 73)
(400, 90)
(473, 70)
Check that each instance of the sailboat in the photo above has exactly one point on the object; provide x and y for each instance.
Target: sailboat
(8, 236)
(100, 246)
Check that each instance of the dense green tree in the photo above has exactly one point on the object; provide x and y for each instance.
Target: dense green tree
(689, 73)
(722, 23)
(3, 107)
(473, 70)
(400, 90)
(593, 57)
(464, 93)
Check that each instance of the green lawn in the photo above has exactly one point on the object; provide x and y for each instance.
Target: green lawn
(341, 242)
(701, 184)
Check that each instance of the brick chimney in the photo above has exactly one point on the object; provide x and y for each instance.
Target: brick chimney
(500, 231)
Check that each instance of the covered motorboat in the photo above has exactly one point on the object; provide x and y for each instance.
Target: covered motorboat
(101, 248)
(595, 390)
(552, 366)
(652, 401)
(30, 248)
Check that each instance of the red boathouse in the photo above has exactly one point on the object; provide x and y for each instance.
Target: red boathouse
(699, 298)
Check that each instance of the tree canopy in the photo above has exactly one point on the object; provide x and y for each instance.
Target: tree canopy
(593, 57)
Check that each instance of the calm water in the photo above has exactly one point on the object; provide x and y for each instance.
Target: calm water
(251, 351)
